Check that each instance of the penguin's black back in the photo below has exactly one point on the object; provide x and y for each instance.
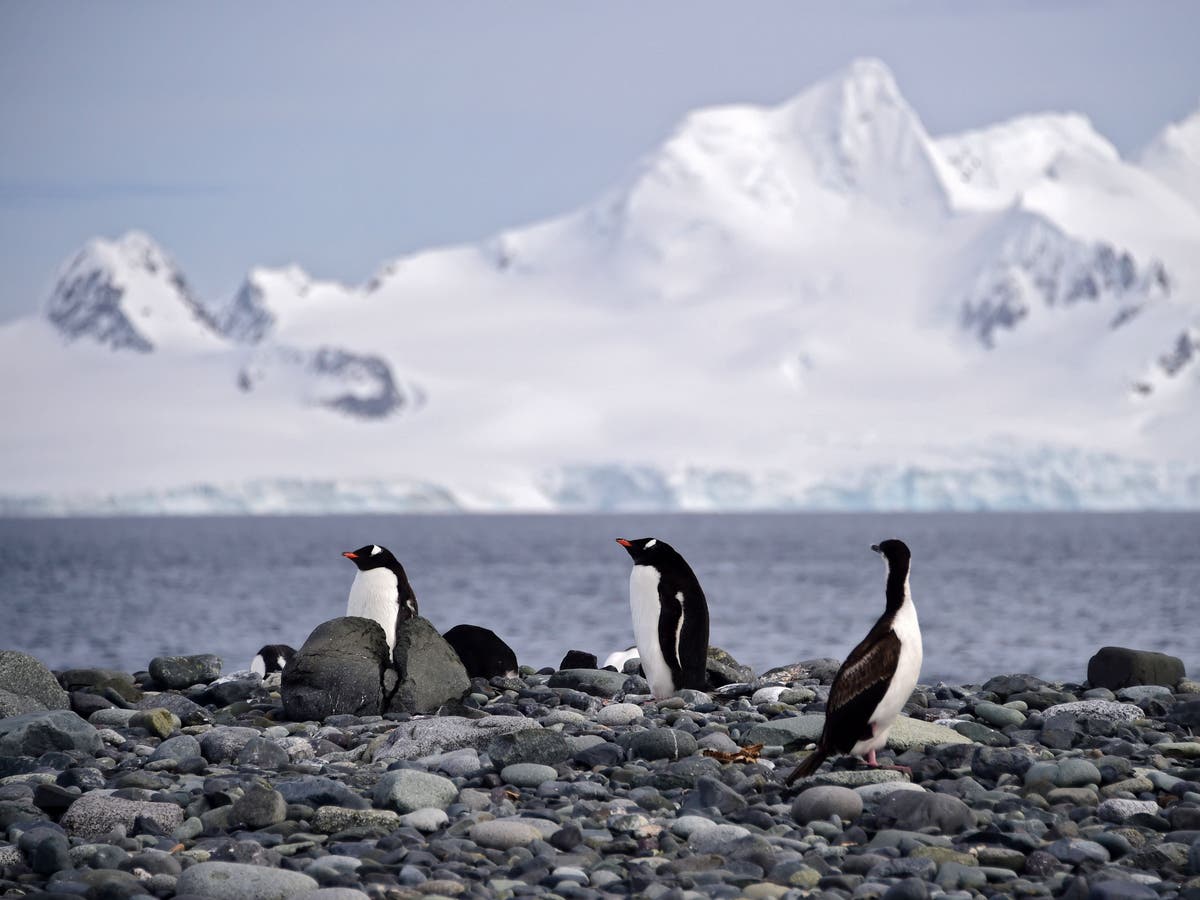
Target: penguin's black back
(682, 627)
(276, 657)
(676, 579)
(688, 665)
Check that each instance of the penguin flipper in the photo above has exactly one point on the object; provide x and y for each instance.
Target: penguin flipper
(670, 627)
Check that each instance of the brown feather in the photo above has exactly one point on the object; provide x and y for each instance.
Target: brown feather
(872, 661)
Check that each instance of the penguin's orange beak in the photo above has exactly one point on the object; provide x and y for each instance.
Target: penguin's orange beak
(623, 542)
(349, 554)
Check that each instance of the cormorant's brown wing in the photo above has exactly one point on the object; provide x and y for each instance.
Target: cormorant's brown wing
(858, 688)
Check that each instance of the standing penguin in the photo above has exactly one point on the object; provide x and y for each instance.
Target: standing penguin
(878, 676)
(380, 590)
(670, 617)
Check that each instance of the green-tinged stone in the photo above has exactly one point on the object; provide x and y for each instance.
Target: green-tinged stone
(998, 716)
(1135, 785)
(1001, 857)
(804, 877)
(161, 723)
(331, 819)
(791, 733)
(852, 778)
(954, 875)
(764, 890)
(1188, 749)
(944, 855)
(981, 734)
(908, 734)
(1080, 796)
(796, 731)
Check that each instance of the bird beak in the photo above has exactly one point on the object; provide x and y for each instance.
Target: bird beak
(623, 542)
(875, 547)
(349, 554)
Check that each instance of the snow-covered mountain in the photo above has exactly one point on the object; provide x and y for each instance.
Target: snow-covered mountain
(129, 295)
(1174, 157)
(815, 304)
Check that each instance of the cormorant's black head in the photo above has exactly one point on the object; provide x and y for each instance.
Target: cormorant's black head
(894, 552)
(372, 556)
(647, 551)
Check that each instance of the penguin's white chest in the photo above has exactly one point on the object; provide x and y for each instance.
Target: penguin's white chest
(643, 602)
(375, 595)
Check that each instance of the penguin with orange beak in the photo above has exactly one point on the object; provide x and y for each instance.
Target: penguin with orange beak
(670, 617)
(380, 590)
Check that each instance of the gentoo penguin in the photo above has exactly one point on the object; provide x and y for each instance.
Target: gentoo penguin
(380, 590)
(878, 676)
(670, 617)
(483, 653)
(271, 658)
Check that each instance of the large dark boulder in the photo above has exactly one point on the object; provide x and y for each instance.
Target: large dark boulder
(35, 733)
(430, 674)
(176, 672)
(723, 669)
(579, 659)
(531, 745)
(1119, 667)
(338, 671)
(315, 790)
(97, 681)
(1186, 714)
(23, 676)
(17, 704)
(482, 652)
(599, 682)
(823, 669)
(224, 693)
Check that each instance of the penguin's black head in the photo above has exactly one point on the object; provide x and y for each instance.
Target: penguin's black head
(371, 556)
(647, 551)
(895, 553)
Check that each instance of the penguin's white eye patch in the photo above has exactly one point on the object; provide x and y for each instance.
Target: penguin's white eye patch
(650, 543)
(375, 551)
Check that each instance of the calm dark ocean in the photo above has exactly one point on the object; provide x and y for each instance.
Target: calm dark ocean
(995, 592)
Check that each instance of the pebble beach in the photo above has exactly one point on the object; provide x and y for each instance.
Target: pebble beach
(182, 782)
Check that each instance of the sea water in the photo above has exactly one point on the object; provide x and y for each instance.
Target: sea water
(995, 592)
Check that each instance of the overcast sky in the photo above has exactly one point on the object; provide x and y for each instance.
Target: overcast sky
(341, 135)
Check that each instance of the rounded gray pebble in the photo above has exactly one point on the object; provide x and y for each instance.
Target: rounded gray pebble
(501, 834)
(239, 881)
(822, 802)
(527, 774)
(662, 743)
(619, 714)
(408, 790)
